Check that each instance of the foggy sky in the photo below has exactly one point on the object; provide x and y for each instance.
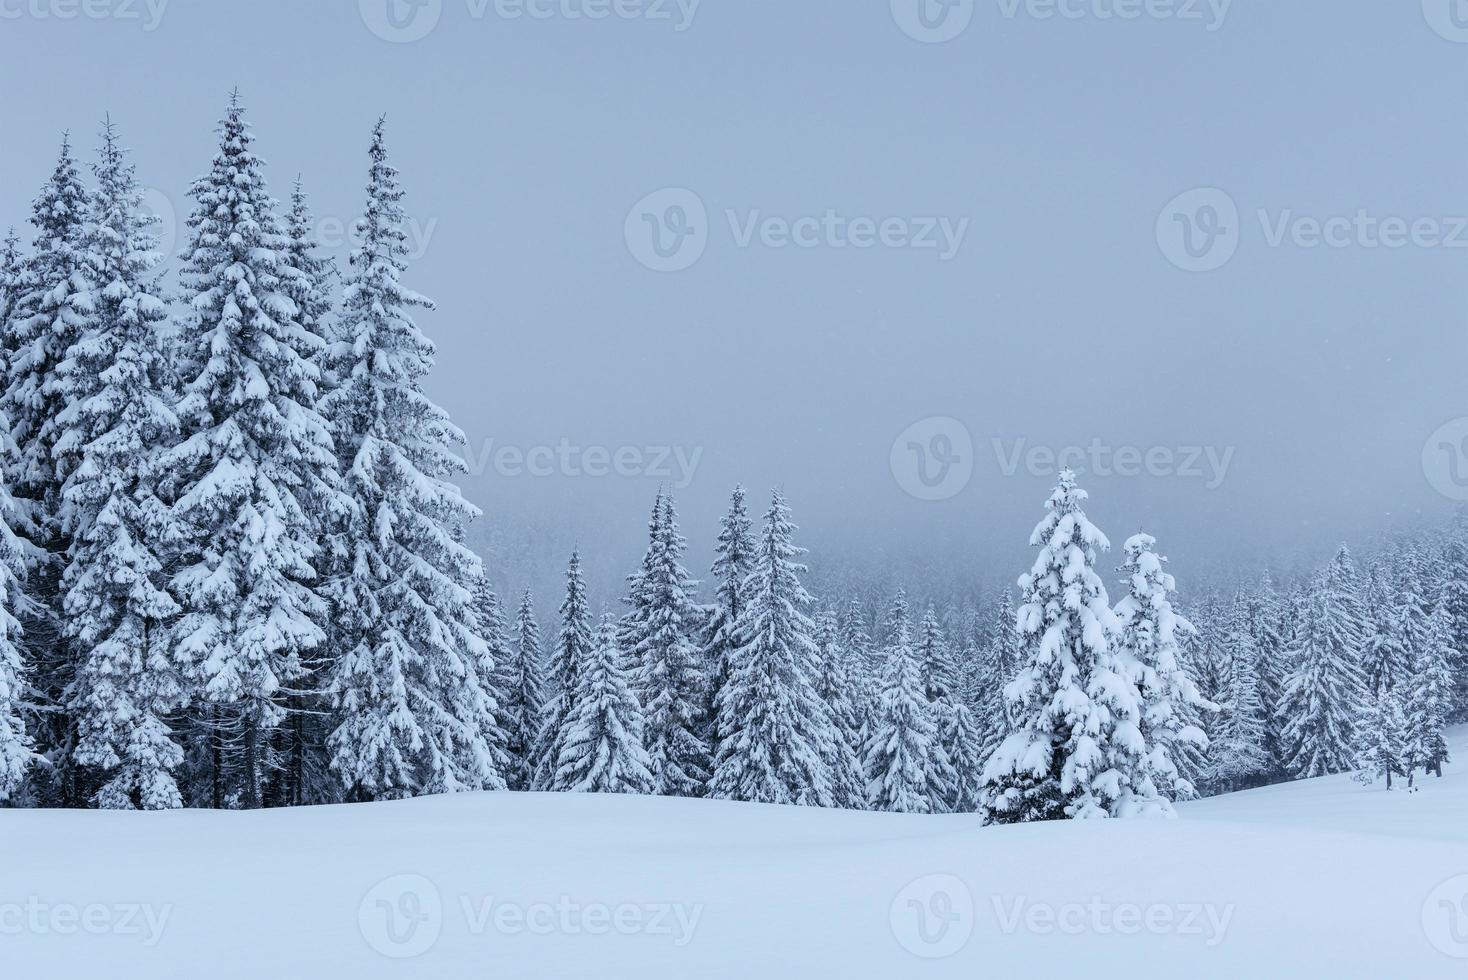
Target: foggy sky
(1318, 371)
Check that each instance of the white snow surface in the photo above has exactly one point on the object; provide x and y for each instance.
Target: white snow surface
(1323, 878)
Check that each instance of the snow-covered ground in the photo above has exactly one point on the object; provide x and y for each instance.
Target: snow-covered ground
(1320, 879)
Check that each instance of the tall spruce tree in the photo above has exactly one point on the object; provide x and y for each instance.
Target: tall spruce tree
(1382, 749)
(836, 689)
(731, 568)
(906, 768)
(1074, 748)
(1237, 749)
(117, 396)
(1269, 627)
(660, 642)
(601, 746)
(1326, 693)
(573, 650)
(1428, 695)
(773, 733)
(252, 460)
(1168, 698)
(16, 748)
(12, 283)
(522, 696)
(411, 716)
(50, 311)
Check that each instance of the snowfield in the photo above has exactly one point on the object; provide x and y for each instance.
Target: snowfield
(1318, 879)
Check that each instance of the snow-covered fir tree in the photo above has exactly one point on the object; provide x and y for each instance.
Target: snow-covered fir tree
(1384, 653)
(1149, 638)
(963, 743)
(659, 638)
(410, 716)
(731, 568)
(1454, 592)
(1076, 746)
(12, 282)
(773, 732)
(836, 689)
(1326, 693)
(494, 672)
(574, 648)
(601, 745)
(521, 696)
(50, 313)
(252, 460)
(1383, 739)
(936, 662)
(996, 666)
(906, 768)
(1269, 627)
(1428, 695)
(16, 749)
(1238, 757)
(117, 414)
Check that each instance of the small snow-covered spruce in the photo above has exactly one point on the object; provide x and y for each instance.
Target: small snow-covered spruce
(936, 662)
(1428, 695)
(906, 768)
(522, 696)
(117, 609)
(772, 731)
(1385, 655)
(1076, 745)
(1454, 592)
(1167, 696)
(601, 747)
(997, 662)
(574, 648)
(12, 282)
(253, 457)
(1383, 739)
(1326, 693)
(409, 693)
(1238, 758)
(1269, 626)
(731, 568)
(494, 671)
(661, 648)
(835, 689)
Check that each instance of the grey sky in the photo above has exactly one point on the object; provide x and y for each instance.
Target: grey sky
(1318, 371)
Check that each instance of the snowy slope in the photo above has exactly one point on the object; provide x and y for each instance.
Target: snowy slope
(1321, 879)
